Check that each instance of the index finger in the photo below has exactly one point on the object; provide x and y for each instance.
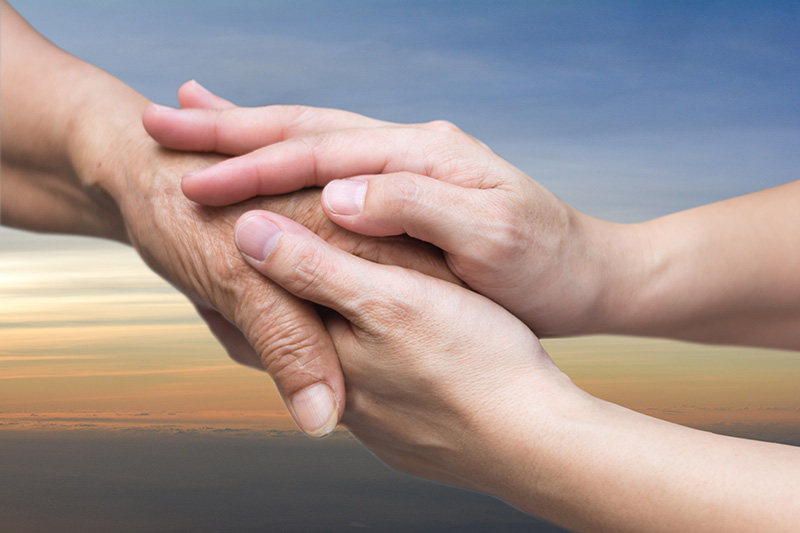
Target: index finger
(314, 160)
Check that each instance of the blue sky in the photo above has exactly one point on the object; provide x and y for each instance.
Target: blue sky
(628, 110)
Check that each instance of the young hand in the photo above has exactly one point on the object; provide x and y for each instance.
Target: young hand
(445, 384)
(722, 273)
(503, 234)
(430, 367)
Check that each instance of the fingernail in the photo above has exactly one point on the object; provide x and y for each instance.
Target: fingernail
(193, 173)
(257, 237)
(315, 410)
(346, 197)
(188, 179)
(201, 88)
(163, 108)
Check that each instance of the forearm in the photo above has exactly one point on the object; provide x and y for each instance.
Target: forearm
(596, 466)
(723, 273)
(48, 202)
(59, 115)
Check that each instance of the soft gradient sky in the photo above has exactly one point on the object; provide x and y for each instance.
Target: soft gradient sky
(627, 110)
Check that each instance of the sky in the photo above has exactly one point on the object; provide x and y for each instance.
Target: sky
(626, 110)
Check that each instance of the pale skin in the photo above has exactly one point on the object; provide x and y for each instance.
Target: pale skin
(76, 159)
(447, 385)
(724, 273)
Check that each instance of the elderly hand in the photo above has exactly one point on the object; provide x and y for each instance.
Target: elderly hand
(76, 159)
(258, 322)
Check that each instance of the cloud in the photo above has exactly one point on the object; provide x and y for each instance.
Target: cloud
(772, 423)
(26, 358)
(628, 111)
(264, 423)
(132, 372)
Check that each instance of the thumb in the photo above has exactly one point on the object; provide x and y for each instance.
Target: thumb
(302, 263)
(446, 215)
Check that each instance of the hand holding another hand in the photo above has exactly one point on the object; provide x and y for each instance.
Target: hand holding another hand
(503, 234)
(76, 159)
(471, 363)
(259, 323)
(443, 382)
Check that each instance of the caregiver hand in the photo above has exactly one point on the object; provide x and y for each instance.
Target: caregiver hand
(517, 243)
(722, 273)
(445, 384)
(75, 159)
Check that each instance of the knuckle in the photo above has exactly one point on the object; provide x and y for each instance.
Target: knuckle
(445, 157)
(287, 350)
(293, 117)
(406, 192)
(444, 126)
(510, 243)
(504, 236)
(390, 314)
(307, 268)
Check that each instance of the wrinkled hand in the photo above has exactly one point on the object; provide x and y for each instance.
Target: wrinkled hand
(431, 367)
(504, 235)
(259, 323)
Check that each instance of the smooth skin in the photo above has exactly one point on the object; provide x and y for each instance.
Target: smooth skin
(447, 385)
(724, 273)
(444, 383)
(76, 159)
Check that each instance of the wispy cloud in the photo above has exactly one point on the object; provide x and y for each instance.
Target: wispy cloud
(107, 373)
(775, 424)
(254, 422)
(29, 358)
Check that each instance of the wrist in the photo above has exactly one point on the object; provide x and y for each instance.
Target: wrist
(620, 257)
(107, 138)
(532, 457)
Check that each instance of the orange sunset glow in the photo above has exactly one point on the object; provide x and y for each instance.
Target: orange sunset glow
(101, 339)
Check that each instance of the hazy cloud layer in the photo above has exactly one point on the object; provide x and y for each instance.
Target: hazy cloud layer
(228, 481)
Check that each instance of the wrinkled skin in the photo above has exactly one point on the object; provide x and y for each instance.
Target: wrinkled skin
(431, 367)
(515, 242)
(192, 247)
